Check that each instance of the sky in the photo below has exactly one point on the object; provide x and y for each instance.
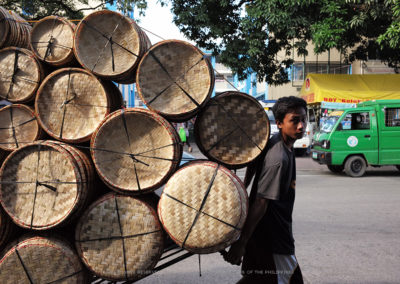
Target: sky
(158, 20)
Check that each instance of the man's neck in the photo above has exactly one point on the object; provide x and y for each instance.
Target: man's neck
(288, 141)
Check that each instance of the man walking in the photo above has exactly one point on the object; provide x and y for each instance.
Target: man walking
(266, 243)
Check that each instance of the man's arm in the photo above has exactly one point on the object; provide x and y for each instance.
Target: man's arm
(256, 212)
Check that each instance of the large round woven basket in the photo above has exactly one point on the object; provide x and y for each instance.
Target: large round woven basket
(110, 45)
(135, 150)
(72, 102)
(18, 126)
(52, 41)
(175, 79)
(14, 30)
(20, 74)
(41, 260)
(119, 238)
(232, 129)
(44, 185)
(203, 207)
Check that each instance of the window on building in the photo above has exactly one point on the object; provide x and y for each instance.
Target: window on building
(219, 77)
(301, 70)
(392, 117)
(356, 121)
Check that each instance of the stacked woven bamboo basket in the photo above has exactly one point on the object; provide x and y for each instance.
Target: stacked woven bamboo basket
(78, 170)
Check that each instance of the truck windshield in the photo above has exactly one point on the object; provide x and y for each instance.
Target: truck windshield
(328, 123)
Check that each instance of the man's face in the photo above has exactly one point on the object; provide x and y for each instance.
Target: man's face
(294, 123)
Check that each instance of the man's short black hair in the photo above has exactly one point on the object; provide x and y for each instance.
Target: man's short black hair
(287, 104)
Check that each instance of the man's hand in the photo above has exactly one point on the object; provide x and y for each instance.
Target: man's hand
(235, 253)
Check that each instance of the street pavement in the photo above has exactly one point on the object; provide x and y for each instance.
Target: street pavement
(347, 230)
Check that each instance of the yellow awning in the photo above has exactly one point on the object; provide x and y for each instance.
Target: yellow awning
(343, 88)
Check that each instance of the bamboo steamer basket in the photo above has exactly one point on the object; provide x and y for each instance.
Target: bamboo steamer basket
(52, 41)
(114, 59)
(119, 238)
(37, 259)
(232, 129)
(135, 151)
(43, 186)
(203, 207)
(18, 126)
(21, 74)
(72, 102)
(14, 30)
(175, 79)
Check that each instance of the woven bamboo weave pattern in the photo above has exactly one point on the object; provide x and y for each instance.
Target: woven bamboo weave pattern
(119, 238)
(200, 218)
(52, 40)
(110, 45)
(175, 79)
(20, 74)
(41, 185)
(14, 30)
(18, 126)
(71, 103)
(232, 129)
(135, 150)
(41, 260)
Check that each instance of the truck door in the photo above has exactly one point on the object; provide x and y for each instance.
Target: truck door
(389, 138)
(358, 134)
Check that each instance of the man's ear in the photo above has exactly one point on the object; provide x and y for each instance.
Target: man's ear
(278, 123)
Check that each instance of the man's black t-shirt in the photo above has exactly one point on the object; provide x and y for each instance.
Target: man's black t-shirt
(275, 180)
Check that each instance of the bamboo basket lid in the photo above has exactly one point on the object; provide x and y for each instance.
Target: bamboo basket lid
(203, 207)
(71, 103)
(110, 45)
(135, 150)
(41, 185)
(41, 260)
(18, 126)
(119, 238)
(21, 74)
(232, 129)
(52, 40)
(175, 79)
(14, 30)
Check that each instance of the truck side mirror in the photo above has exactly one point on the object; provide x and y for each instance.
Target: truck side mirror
(339, 127)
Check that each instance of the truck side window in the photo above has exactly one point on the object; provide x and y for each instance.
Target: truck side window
(356, 121)
(392, 117)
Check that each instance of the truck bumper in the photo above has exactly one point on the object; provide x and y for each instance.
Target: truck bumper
(321, 157)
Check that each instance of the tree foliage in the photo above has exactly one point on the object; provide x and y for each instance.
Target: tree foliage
(262, 36)
(37, 9)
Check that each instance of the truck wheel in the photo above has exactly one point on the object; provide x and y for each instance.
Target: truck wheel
(336, 168)
(355, 166)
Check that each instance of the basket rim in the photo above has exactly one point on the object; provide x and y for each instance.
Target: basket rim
(67, 23)
(184, 115)
(197, 134)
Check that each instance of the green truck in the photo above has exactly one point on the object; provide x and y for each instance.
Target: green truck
(352, 139)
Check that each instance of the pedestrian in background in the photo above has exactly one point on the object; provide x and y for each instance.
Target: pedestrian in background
(183, 131)
(266, 242)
